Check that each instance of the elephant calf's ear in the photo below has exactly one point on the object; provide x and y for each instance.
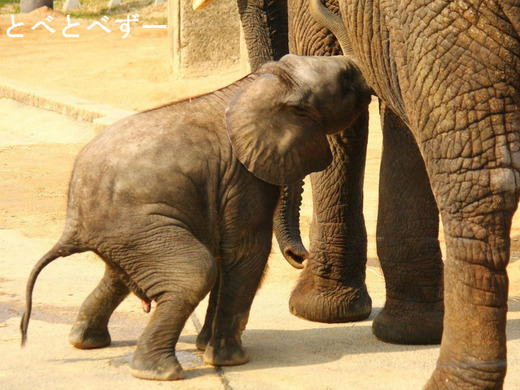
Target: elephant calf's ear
(278, 141)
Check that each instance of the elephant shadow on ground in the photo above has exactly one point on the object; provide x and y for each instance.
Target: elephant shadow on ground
(268, 348)
(318, 344)
(328, 343)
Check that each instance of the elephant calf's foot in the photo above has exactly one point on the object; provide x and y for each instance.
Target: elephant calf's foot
(82, 336)
(320, 300)
(409, 322)
(203, 338)
(159, 368)
(225, 352)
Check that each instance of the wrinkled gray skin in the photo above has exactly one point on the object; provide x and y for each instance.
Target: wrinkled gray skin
(332, 287)
(448, 77)
(166, 201)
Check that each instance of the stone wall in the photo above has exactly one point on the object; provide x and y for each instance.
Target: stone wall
(205, 42)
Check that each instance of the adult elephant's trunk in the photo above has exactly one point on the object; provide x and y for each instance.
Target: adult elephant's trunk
(265, 30)
(265, 26)
(287, 225)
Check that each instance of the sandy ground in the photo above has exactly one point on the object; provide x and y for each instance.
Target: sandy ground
(131, 73)
(37, 149)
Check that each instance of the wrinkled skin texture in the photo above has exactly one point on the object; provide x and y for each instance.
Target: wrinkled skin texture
(166, 201)
(332, 287)
(265, 30)
(448, 73)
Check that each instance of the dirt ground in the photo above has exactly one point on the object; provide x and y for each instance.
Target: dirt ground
(132, 74)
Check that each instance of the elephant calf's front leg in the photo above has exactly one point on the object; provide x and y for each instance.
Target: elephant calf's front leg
(239, 279)
(205, 333)
(90, 329)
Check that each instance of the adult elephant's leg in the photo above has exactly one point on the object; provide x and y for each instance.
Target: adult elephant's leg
(477, 206)
(462, 102)
(407, 242)
(331, 288)
(90, 329)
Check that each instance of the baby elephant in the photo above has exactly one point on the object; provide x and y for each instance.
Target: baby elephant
(179, 201)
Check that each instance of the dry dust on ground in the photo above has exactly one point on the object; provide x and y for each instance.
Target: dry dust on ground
(133, 73)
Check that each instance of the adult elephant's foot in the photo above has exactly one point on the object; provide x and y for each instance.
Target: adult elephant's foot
(470, 375)
(225, 352)
(84, 336)
(415, 323)
(330, 301)
(156, 367)
(440, 380)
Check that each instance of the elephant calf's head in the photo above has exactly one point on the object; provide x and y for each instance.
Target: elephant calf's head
(278, 123)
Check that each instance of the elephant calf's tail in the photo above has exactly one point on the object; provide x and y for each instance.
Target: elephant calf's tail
(59, 250)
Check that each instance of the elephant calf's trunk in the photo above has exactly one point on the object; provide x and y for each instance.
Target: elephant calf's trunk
(287, 225)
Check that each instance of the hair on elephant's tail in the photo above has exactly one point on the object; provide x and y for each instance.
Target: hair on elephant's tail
(61, 249)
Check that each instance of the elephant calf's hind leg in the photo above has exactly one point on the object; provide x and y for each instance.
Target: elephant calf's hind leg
(182, 276)
(205, 333)
(90, 329)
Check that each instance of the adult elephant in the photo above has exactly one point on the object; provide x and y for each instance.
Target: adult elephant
(448, 73)
(448, 76)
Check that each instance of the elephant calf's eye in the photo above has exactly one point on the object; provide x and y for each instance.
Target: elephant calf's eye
(305, 110)
(348, 88)
(347, 83)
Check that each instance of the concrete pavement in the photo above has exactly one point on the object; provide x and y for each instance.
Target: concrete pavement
(286, 352)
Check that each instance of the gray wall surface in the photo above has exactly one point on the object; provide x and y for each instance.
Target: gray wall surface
(205, 42)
